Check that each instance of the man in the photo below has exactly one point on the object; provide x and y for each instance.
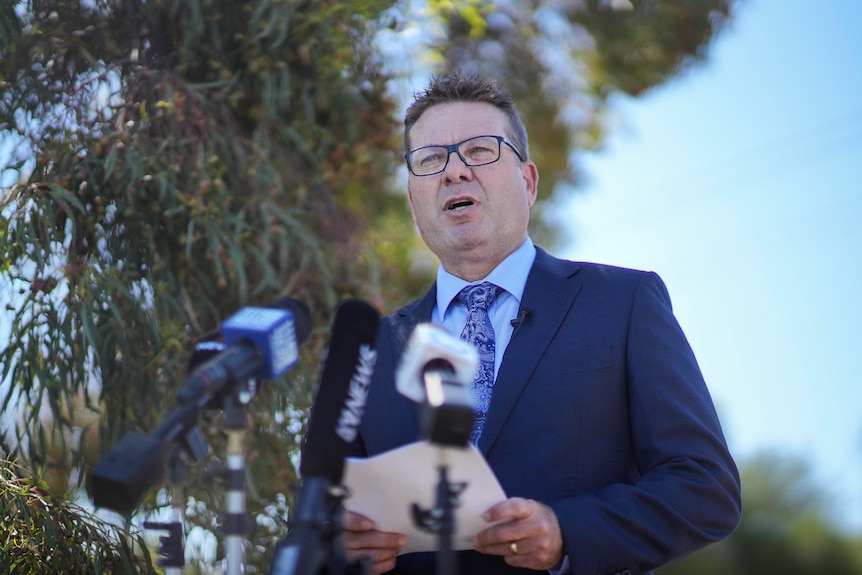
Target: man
(596, 419)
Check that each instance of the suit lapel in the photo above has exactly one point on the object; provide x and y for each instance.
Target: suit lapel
(403, 323)
(407, 318)
(549, 293)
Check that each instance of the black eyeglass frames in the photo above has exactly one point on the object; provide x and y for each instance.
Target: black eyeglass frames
(476, 151)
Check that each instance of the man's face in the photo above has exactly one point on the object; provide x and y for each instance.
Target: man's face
(471, 218)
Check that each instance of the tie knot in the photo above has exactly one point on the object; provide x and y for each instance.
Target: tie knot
(478, 296)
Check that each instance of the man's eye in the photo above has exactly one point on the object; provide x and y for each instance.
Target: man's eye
(430, 159)
(479, 152)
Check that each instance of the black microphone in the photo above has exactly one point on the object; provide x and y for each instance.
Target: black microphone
(522, 317)
(334, 422)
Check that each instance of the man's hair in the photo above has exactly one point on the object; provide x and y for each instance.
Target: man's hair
(457, 87)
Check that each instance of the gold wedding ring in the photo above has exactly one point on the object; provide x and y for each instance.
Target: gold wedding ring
(513, 547)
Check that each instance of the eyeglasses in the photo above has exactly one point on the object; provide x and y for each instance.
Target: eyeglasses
(478, 151)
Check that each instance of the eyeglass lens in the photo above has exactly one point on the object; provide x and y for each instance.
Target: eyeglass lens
(474, 152)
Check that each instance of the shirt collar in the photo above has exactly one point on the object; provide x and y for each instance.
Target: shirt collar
(510, 274)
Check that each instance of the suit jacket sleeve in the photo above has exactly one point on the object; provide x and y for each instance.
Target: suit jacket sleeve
(683, 488)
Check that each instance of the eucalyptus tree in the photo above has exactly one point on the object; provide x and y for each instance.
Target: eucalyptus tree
(168, 163)
(786, 527)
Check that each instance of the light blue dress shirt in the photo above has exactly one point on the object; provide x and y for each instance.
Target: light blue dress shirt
(511, 275)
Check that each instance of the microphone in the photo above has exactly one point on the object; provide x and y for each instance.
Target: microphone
(333, 425)
(437, 369)
(341, 393)
(259, 342)
(522, 317)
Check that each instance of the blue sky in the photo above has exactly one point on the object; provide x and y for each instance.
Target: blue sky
(740, 183)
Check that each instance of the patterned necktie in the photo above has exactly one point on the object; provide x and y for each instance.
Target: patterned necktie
(479, 332)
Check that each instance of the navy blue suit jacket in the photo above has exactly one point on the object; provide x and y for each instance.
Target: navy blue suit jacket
(599, 410)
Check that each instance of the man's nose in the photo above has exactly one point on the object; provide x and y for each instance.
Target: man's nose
(456, 170)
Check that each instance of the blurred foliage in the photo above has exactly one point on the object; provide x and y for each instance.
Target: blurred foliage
(562, 61)
(176, 160)
(785, 528)
(41, 533)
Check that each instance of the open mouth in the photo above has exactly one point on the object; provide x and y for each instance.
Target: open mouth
(460, 205)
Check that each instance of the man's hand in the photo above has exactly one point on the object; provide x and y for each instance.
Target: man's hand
(529, 535)
(362, 540)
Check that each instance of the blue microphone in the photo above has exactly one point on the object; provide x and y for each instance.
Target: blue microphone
(271, 331)
(259, 342)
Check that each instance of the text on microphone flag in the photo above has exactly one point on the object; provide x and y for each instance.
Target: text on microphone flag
(357, 393)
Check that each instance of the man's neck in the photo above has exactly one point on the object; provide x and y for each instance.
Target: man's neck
(474, 269)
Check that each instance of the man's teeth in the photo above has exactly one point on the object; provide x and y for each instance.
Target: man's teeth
(460, 205)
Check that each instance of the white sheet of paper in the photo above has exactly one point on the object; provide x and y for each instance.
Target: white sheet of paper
(385, 487)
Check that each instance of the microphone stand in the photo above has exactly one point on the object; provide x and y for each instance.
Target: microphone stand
(235, 520)
(441, 518)
(314, 544)
(447, 421)
(171, 545)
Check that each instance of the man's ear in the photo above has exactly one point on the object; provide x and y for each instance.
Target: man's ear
(530, 173)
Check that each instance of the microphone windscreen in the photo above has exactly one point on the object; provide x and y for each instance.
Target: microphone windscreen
(432, 345)
(342, 391)
(301, 316)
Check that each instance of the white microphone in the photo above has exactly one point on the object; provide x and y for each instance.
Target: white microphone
(437, 369)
